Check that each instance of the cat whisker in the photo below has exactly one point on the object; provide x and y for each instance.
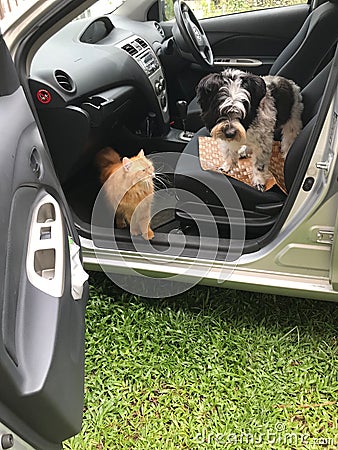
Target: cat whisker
(161, 182)
(160, 166)
(163, 176)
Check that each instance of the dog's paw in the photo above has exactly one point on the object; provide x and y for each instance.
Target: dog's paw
(259, 187)
(243, 152)
(226, 166)
(259, 181)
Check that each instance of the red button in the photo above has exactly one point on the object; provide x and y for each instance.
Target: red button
(44, 96)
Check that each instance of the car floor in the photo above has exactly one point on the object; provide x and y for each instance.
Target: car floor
(83, 189)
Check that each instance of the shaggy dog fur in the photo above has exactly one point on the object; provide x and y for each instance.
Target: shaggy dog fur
(244, 112)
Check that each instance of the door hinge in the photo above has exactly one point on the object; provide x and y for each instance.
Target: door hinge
(325, 236)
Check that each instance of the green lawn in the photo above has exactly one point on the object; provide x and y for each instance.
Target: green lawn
(208, 369)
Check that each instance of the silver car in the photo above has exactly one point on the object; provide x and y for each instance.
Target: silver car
(77, 77)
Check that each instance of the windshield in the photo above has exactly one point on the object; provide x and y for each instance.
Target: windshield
(102, 7)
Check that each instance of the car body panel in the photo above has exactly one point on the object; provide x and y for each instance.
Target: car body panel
(211, 273)
(9, 437)
(296, 252)
(334, 260)
(42, 351)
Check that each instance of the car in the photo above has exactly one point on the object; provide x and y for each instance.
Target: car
(77, 77)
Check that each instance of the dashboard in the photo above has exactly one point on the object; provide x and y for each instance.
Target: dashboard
(94, 75)
(90, 57)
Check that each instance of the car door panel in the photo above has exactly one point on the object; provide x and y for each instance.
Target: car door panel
(42, 326)
(259, 35)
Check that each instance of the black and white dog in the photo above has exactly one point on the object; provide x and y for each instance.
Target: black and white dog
(242, 109)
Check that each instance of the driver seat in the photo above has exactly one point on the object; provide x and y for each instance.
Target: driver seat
(302, 58)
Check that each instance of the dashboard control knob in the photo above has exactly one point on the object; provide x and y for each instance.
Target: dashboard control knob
(162, 83)
(158, 87)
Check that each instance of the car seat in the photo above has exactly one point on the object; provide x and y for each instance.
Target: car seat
(302, 58)
(260, 208)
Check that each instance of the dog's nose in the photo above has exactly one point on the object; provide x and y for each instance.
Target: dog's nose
(229, 133)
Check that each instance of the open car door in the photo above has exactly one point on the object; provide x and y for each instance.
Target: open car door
(43, 288)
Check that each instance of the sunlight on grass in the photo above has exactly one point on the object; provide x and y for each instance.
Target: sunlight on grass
(210, 368)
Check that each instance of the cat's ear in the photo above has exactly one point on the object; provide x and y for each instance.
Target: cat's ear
(141, 153)
(126, 164)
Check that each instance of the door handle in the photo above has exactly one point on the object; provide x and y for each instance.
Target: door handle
(237, 62)
(45, 263)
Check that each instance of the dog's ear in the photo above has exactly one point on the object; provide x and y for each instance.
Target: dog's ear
(207, 88)
(256, 87)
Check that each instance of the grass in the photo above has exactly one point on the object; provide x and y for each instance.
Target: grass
(212, 8)
(208, 369)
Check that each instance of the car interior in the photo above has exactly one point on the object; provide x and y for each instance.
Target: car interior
(114, 81)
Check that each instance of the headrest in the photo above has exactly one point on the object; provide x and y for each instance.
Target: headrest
(316, 3)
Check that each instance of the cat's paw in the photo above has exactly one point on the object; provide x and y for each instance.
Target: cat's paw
(149, 235)
(121, 222)
(134, 228)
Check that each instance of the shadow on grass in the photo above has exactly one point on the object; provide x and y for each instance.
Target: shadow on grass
(238, 307)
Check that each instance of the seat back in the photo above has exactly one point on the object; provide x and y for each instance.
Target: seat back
(302, 59)
(261, 209)
(305, 54)
(312, 95)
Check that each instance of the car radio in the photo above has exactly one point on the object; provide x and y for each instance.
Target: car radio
(149, 63)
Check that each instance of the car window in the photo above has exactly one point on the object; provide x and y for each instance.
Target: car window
(10, 10)
(213, 8)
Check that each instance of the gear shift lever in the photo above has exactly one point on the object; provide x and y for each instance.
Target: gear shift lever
(182, 109)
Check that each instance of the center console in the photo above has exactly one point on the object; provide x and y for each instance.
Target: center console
(146, 58)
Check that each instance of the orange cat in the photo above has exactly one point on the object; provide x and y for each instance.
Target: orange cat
(128, 183)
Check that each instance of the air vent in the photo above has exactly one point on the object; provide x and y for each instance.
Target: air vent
(159, 29)
(64, 80)
(130, 49)
(141, 42)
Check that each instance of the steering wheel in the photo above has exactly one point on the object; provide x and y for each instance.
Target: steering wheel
(190, 37)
